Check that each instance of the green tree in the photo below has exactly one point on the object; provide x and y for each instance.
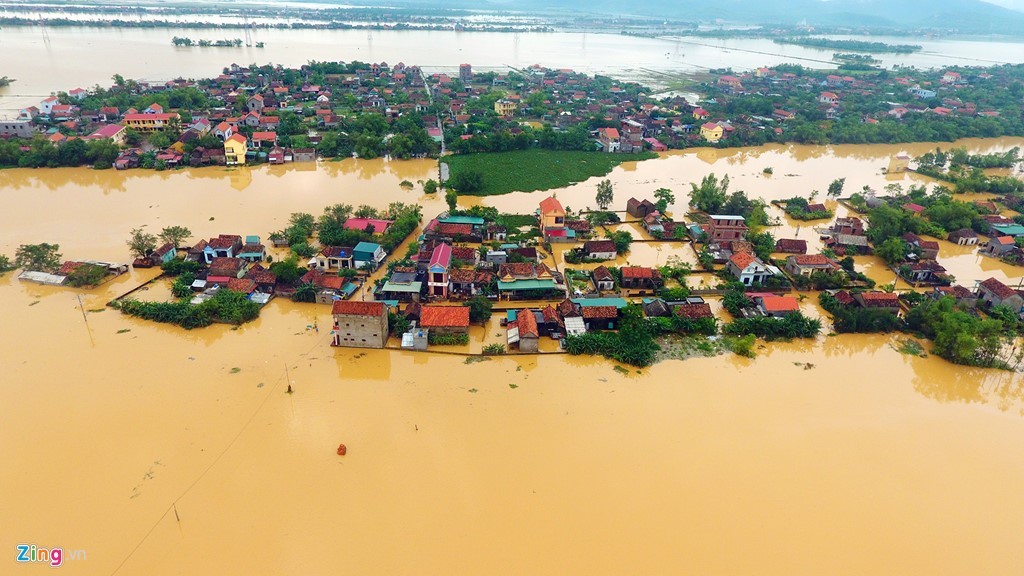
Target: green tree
(892, 251)
(479, 309)
(38, 257)
(288, 270)
(174, 235)
(430, 186)
(711, 195)
(605, 194)
(451, 197)
(5, 264)
(306, 292)
(141, 243)
(665, 197)
(835, 188)
(622, 240)
(467, 181)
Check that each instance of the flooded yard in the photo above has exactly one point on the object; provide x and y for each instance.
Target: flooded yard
(164, 451)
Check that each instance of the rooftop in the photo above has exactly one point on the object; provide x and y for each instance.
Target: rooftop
(357, 308)
(444, 316)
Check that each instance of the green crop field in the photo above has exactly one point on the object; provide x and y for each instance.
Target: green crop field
(530, 170)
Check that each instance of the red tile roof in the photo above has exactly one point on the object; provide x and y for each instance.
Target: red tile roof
(321, 280)
(551, 315)
(68, 267)
(261, 275)
(880, 300)
(600, 312)
(444, 317)
(593, 246)
(813, 260)
(551, 204)
(742, 259)
(379, 226)
(358, 308)
(243, 285)
(791, 245)
(454, 229)
(224, 241)
(695, 310)
(464, 253)
(527, 323)
(998, 288)
(639, 272)
(226, 266)
(844, 297)
(780, 304)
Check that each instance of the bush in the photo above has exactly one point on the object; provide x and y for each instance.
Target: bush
(494, 349)
(398, 324)
(633, 344)
(178, 266)
(435, 339)
(225, 306)
(182, 285)
(846, 320)
(793, 325)
(87, 275)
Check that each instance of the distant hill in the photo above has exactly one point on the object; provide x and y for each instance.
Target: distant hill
(965, 15)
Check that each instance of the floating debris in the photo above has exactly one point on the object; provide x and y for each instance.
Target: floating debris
(342, 450)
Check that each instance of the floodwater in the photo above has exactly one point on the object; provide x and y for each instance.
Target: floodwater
(163, 451)
(83, 57)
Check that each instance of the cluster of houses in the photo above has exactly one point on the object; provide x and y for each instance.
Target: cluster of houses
(228, 262)
(919, 91)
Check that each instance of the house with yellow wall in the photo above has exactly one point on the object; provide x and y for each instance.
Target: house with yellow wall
(150, 121)
(552, 220)
(235, 149)
(505, 107)
(711, 132)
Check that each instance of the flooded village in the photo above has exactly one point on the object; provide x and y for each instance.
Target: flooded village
(201, 335)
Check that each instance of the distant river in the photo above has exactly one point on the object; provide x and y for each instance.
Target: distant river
(43, 60)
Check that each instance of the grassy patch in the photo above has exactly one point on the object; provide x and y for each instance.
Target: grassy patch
(911, 347)
(475, 359)
(530, 170)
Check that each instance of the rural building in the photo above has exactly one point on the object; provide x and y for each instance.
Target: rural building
(749, 269)
(360, 324)
(725, 227)
(992, 292)
(235, 149)
(599, 249)
(445, 319)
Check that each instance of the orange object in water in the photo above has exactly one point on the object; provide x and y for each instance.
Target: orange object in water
(342, 449)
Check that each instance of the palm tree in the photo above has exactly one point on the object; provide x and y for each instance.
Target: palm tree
(306, 292)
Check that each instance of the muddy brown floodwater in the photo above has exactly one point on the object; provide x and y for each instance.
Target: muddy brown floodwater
(834, 456)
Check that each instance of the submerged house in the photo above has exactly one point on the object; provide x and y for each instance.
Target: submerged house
(359, 324)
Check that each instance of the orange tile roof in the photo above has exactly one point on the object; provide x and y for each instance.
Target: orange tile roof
(527, 323)
(358, 308)
(780, 304)
(742, 259)
(444, 317)
(551, 204)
